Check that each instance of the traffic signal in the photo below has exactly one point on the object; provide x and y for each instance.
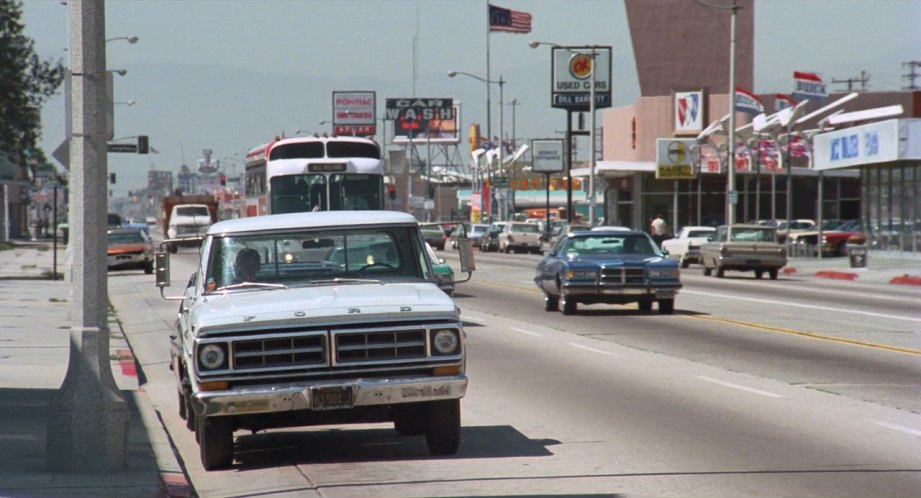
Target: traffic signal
(223, 180)
(143, 144)
(391, 192)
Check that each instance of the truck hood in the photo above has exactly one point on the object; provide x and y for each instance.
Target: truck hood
(321, 303)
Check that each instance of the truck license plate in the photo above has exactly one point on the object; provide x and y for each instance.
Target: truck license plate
(331, 398)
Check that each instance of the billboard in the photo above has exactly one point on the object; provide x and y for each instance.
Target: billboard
(573, 69)
(547, 156)
(427, 128)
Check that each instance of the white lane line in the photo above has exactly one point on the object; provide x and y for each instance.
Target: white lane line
(741, 388)
(593, 350)
(807, 306)
(900, 428)
(523, 331)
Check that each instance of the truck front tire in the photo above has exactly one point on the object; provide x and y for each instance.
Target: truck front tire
(215, 442)
(443, 432)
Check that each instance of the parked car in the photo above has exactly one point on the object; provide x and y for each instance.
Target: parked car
(434, 235)
(685, 246)
(785, 228)
(611, 267)
(129, 248)
(490, 239)
(444, 275)
(472, 231)
(743, 247)
(835, 234)
(520, 236)
(560, 230)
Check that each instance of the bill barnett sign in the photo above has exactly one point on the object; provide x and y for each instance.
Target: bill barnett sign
(416, 108)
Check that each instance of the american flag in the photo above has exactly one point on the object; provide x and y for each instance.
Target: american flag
(509, 21)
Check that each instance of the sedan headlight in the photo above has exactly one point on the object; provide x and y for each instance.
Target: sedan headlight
(445, 342)
(656, 273)
(581, 274)
(212, 356)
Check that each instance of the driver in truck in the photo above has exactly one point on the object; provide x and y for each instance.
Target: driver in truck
(246, 265)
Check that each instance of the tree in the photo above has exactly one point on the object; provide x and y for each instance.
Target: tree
(26, 82)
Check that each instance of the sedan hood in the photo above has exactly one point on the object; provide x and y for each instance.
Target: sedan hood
(321, 303)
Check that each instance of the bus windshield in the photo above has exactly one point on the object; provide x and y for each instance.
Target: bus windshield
(310, 192)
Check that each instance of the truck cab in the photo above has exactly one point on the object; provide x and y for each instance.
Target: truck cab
(317, 318)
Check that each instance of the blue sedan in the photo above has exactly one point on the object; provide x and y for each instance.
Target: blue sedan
(611, 267)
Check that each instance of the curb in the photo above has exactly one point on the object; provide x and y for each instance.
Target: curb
(836, 275)
(905, 280)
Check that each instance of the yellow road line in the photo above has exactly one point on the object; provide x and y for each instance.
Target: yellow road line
(809, 335)
(756, 326)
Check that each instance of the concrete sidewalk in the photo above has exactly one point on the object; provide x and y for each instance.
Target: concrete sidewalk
(34, 354)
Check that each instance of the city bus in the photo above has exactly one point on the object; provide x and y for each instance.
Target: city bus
(291, 175)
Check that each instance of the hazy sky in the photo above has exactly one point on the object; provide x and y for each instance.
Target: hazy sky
(228, 75)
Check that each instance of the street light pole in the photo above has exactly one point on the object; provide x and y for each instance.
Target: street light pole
(501, 84)
(591, 145)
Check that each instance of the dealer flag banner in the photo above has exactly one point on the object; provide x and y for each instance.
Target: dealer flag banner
(808, 86)
(748, 103)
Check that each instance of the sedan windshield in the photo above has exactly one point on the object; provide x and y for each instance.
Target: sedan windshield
(610, 244)
(315, 257)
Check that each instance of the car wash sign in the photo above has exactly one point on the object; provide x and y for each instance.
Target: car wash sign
(419, 109)
(808, 86)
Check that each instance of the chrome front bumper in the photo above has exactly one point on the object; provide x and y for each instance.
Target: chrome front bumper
(297, 396)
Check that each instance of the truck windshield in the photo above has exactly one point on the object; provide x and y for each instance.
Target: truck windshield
(315, 257)
(192, 211)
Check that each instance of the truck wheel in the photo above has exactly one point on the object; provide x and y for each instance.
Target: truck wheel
(666, 306)
(773, 274)
(148, 268)
(720, 272)
(707, 269)
(442, 433)
(409, 419)
(685, 263)
(569, 306)
(182, 412)
(644, 305)
(551, 303)
(215, 442)
(759, 274)
(189, 414)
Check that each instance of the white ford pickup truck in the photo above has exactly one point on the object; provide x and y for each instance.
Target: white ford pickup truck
(316, 318)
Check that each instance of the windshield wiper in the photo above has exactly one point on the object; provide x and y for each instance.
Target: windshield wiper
(242, 285)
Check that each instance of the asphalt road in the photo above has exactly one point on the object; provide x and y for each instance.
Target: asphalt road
(752, 388)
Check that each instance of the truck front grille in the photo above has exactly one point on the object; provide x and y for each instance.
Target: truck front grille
(623, 275)
(356, 348)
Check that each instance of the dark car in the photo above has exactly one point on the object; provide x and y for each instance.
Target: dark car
(129, 248)
(610, 267)
(435, 236)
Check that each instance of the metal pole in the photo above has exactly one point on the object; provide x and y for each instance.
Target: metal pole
(504, 210)
(730, 173)
(591, 145)
(569, 216)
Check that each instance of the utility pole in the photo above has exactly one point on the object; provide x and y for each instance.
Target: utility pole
(911, 67)
(863, 80)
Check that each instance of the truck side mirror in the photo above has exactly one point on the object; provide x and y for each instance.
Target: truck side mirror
(467, 261)
(161, 263)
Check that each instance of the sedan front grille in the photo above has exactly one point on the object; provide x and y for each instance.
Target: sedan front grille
(623, 275)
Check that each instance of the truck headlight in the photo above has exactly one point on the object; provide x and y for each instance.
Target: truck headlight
(664, 273)
(212, 356)
(580, 274)
(445, 341)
